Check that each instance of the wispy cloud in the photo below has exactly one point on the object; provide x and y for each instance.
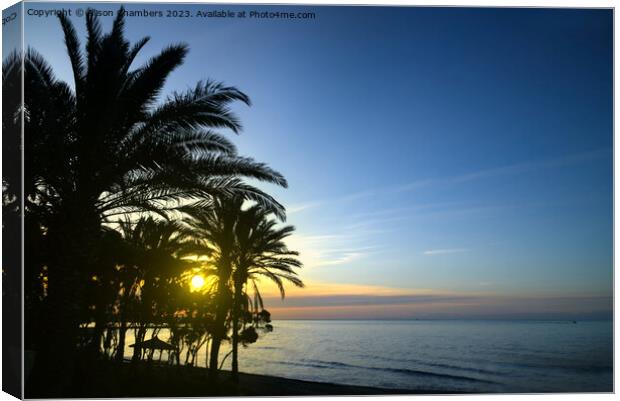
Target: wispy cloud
(345, 257)
(510, 169)
(332, 249)
(315, 289)
(296, 208)
(345, 238)
(323, 300)
(444, 251)
(534, 165)
(599, 308)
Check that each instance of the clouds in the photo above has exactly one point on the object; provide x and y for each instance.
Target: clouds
(323, 300)
(301, 207)
(326, 289)
(359, 219)
(331, 249)
(368, 302)
(445, 232)
(481, 174)
(432, 252)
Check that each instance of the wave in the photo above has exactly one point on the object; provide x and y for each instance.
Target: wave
(573, 368)
(577, 369)
(439, 375)
(433, 364)
(411, 372)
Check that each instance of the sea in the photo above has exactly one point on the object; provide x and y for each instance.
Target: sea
(435, 355)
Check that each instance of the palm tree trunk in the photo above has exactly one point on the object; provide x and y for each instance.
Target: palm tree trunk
(223, 295)
(122, 331)
(140, 334)
(236, 310)
(73, 235)
(215, 350)
(207, 353)
(95, 341)
(218, 336)
(120, 351)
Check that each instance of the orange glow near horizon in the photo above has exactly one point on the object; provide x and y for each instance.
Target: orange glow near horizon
(351, 301)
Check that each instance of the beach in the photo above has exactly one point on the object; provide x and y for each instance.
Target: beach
(261, 385)
(151, 380)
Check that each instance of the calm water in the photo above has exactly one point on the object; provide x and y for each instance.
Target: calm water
(479, 356)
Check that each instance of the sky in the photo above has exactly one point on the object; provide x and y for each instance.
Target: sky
(442, 162)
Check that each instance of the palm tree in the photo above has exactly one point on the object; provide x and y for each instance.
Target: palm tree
(157, 247)
(105, 147)
(214, 228)
(244, 245)
(110, 275)
(260, 253)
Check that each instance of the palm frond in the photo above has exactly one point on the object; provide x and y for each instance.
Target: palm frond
(73, 49)
(204, 106)
(146, 84)
(93, 40)
(136, 48)
(38, 69)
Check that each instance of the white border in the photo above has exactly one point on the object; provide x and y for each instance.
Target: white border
(478, 3)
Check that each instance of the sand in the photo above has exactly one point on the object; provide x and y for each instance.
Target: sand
(130, 380)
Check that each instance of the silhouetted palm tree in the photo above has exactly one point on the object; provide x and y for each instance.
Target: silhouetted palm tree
(214, 228)
(157, 247)
(260, 252)
(244, 244)
(105, 146)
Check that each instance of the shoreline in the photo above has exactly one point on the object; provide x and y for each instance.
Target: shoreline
(266, 385)
(111, 380)
(108, 379)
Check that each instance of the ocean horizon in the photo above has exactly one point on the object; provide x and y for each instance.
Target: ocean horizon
(449, 355)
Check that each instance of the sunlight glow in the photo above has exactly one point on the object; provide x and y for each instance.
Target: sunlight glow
(197, 282)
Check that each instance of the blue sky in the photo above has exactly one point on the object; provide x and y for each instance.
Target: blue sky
(429, 150)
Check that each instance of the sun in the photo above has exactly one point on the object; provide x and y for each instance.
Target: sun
(197, 282)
